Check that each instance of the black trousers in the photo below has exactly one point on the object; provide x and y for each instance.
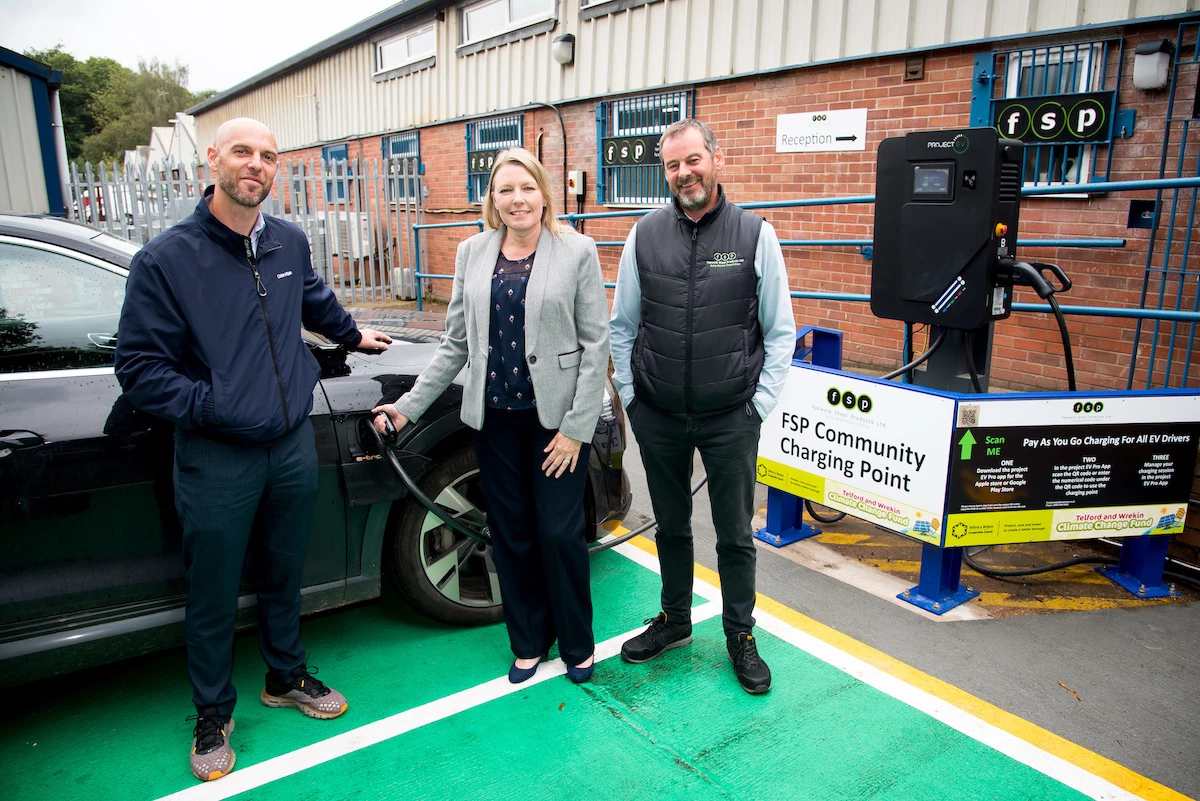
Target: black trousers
(538, 537)
(728, 445)
(218, 491)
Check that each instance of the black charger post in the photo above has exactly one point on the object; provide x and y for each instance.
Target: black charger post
(947, 209)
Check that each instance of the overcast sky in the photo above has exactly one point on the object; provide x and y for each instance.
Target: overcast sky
(222, 42)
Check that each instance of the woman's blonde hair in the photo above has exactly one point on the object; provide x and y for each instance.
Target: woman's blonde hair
(523, 158)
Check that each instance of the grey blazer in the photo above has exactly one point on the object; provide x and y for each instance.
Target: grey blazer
(566, 334)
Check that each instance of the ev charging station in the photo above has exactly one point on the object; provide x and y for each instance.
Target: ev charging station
(938, 460)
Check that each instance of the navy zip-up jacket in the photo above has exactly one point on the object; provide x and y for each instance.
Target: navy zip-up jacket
(209, 336)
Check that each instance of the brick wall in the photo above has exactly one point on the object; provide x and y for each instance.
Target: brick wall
(1027, 351)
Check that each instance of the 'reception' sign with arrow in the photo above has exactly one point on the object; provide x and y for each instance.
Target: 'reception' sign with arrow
(818, 131)
(1070, 467)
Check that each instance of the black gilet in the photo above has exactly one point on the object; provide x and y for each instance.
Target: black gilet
(699, 347)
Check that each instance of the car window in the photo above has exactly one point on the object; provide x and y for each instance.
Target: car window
(56, 311)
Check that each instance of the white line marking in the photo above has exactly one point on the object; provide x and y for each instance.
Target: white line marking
(1008, 744)
(285, 765)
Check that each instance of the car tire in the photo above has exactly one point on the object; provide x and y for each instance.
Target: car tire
(441, 573)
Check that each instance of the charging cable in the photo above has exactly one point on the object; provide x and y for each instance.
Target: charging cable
(1032, 274)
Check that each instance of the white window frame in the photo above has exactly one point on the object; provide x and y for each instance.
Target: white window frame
(406, 37)
(511, 24)
(1086, 79)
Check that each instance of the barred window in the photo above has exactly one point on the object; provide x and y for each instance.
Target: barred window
(629, 131)
(336, 164)
(1060, 101)
(402, 154)
(486, 138)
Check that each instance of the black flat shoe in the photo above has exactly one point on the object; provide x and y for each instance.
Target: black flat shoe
(581, 674)
(517, 675)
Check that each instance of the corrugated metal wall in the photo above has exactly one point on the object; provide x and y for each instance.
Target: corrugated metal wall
(22, 181)
(666, 42)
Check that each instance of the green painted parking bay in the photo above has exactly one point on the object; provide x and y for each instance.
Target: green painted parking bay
(432, 717)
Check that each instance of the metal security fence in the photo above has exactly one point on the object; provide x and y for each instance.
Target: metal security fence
(358, 215)
(1178, 306)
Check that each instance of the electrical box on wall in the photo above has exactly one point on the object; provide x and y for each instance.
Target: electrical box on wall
(576, 182)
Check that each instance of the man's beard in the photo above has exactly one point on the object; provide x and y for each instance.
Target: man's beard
(230, 187)
(697, 202)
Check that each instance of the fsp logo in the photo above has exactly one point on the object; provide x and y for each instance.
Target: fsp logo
(849, 400)
(1088, 407)
(818, 118)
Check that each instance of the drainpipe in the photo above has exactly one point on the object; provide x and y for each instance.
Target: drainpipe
(60, 150)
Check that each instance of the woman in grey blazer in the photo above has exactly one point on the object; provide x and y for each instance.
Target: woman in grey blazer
(528, 319)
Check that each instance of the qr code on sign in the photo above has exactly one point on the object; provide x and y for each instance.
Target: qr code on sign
(968, 416)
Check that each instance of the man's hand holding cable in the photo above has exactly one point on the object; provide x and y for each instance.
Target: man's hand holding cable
(564, 453)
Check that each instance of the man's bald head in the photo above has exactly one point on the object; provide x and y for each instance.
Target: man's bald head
(241, 127)
(243, 158)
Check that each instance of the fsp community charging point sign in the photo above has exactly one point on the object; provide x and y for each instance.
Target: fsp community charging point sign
(955, 470)
(875, 450)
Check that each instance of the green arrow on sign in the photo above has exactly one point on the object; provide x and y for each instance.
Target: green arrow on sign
(968, 439)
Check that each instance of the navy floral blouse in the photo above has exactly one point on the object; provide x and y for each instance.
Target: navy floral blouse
(509, 385)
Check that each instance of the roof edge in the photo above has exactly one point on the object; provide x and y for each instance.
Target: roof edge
(336, 42)
(28, 66)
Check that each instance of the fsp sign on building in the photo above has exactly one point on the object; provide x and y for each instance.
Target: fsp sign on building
(817, 131)
(1059, 118)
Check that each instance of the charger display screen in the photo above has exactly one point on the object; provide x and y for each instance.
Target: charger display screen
(930, 181)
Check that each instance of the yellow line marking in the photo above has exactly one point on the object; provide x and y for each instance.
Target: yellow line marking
(1083, 604)
(842, 539)
(1035, 735)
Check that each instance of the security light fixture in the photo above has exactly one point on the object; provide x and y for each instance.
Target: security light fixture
(562, 49)
(1152, 64)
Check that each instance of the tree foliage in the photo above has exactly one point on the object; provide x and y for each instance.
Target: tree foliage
(85, 86)
(108, 108)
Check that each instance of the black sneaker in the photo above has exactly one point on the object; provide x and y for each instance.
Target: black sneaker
(307, 693)
(752, 672)
(658, 638)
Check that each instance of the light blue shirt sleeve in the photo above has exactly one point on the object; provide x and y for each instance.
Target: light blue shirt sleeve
(774, 317)
(626, 317)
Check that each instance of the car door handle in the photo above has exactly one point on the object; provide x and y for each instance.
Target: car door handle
(17, 440)
(103, 341)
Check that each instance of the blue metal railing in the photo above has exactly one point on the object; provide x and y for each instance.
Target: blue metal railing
(1158, 315)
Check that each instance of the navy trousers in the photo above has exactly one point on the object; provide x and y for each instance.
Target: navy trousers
(219, 489)
(728, 445)
(538, 538)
